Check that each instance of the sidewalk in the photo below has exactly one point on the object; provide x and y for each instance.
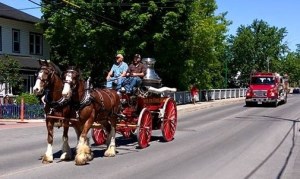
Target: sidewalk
(207, 104)
(183, 107)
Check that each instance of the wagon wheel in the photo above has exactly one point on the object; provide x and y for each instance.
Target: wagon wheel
(99, 136)
(144, 129)
(169, 121)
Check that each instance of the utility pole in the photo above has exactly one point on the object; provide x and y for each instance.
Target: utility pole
(225, 85)
(268, 63)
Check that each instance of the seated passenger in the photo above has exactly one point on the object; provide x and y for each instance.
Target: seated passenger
(136, 71)
(117, 73)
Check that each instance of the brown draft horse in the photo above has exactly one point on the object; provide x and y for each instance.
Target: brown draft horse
(91, 105)
(50, 84)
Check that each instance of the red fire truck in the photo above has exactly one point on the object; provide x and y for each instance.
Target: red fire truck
(267, 88)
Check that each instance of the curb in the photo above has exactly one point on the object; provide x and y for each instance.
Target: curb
(25, 120)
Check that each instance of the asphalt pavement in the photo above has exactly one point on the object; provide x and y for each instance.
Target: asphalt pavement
(293, 172)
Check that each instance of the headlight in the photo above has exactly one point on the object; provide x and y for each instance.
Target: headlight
(249, 93)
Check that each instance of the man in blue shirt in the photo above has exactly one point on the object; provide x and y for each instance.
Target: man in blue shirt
(117, 73)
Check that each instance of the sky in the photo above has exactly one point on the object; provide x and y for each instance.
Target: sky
(278, 13)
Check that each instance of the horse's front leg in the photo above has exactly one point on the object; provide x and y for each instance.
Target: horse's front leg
(84, 152)
(48, 156)
(66, 150)
(111, 142)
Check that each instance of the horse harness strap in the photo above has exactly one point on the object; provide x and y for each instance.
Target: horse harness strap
(55, 104)
(51, 73)
(87, 99)
(106, 91)
(101, 99)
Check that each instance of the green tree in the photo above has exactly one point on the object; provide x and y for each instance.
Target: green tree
(259, 47)
(10, 73)
(205, 45)
(291, 66)
(88, 33)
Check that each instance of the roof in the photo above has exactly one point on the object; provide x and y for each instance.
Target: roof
(26, 62)
(15, 14)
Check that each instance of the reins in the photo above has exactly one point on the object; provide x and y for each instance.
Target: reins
(48, 99)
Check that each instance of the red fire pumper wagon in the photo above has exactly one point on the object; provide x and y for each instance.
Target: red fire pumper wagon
(267, 88)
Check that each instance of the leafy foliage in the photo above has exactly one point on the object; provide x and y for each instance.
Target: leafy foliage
(257, 47)
(9, 70)
(88, 33)
(28, 98)
(205, 45)
(186, 37)
(291, 66)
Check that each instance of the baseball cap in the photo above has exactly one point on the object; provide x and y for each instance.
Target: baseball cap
(137, 55)
(119, 56)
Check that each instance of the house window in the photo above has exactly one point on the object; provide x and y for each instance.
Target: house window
(35, 44)
(28, 83)
(16, 41)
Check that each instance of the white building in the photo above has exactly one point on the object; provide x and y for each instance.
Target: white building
(21, 40)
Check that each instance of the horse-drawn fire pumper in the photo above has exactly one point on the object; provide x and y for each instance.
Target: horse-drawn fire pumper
(69, 101)
(147, 109)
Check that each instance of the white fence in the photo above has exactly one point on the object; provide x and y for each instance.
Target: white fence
(184, 97)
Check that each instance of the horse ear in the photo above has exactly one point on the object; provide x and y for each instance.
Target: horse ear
(42, 62)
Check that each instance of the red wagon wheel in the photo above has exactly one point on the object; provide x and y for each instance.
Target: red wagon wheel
(169, 122)
(99, 136)
(144, 129)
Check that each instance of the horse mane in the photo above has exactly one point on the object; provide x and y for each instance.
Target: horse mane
(52, 65)
(56, 68)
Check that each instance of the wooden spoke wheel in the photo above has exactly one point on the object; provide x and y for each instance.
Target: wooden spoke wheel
(169, 122)
(144, 129)
(99, 136)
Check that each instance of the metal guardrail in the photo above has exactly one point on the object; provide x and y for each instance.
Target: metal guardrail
(184, 97)
(12, 111)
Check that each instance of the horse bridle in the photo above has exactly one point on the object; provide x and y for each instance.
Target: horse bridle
(49, 72)
(72, 81)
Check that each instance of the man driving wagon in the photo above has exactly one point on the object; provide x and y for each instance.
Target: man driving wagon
(124, 76)
(136, 71)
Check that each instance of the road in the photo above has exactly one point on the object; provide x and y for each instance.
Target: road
(228, 141)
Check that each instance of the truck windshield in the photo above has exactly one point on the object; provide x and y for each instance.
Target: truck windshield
(262, 80)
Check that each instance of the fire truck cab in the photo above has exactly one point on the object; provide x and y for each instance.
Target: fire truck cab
(266, 88)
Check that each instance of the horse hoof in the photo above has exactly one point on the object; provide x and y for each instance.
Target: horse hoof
(65, 157)
(47, 159)
(80, 161)
(109, 154)
(90, 156)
